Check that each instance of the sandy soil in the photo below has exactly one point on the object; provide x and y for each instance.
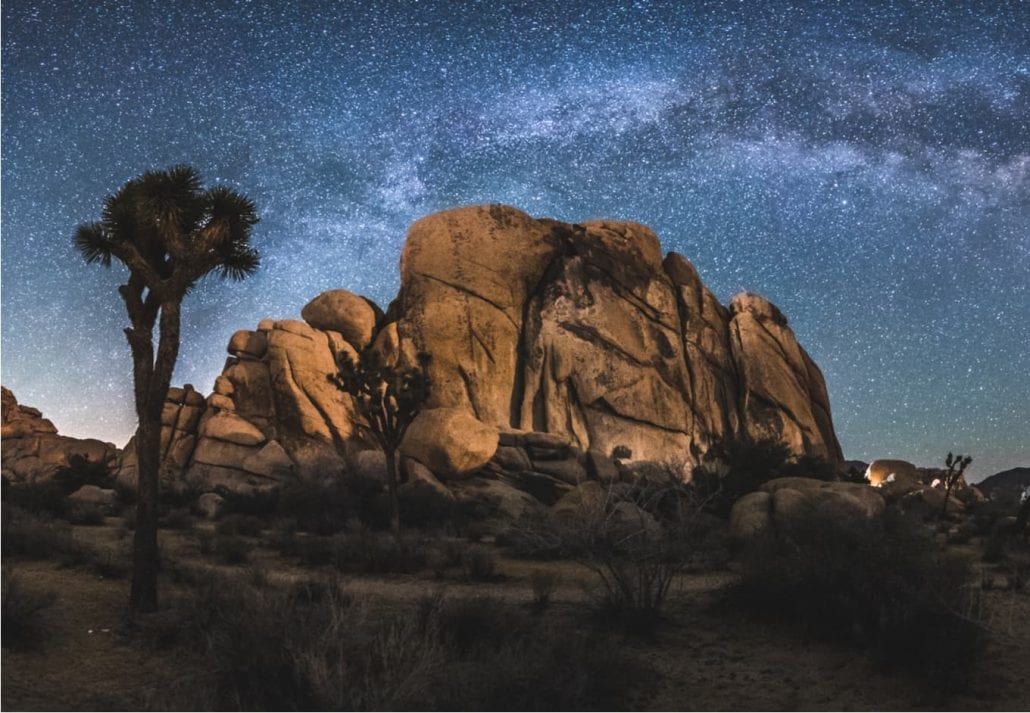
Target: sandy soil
(707, 657)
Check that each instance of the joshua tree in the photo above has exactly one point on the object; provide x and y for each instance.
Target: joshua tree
(956, 468)
(169, 231)
(388, 398)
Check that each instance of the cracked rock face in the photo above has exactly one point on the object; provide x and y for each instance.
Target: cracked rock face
(584, 336)
(585, 331)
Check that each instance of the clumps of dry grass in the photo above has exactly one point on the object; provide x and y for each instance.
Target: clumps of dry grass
(311, 646)
(21, 606)
(886, 586)
(31, 536)
(479, 564)
(359, 551)
(544, 583)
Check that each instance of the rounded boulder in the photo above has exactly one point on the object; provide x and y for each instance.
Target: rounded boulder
(451, 442)
(342, 311)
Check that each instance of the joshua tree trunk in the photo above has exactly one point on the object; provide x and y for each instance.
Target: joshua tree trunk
(947, 495)
(152, 378)
(391, 484)
(145, 555)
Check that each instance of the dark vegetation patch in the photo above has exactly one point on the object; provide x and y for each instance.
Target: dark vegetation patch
(22, 606)
(311, 646)
(884, 586)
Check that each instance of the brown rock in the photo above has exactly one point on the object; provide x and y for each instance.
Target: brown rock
(103, 498)
(341, 311)
(450, 442)
(246, 343)
(225, 426)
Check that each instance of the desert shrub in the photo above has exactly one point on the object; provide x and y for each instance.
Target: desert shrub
(22, 605)
(736, 466)
(111, 564)
(310, 550)
(422, 506)
(240, 524)
(231, 549)
(178, 518)
(635, 556)
(82, 471)
(543, 583)
(360, 551)
(739, 465)
(41, 498)
(301, 648)
(89, 514)
(809, 466)
(28, 535)
(256, 503)
(445, 554)
(367, 552)
(884, 585)
(318, 508)
(479, 564)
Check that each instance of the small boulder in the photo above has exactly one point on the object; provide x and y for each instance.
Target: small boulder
(210, 505)
(93, 495)
(418, 476)
(451, 442)
(512, 458)
(345, 312)
(246, 343)
(369, 465)
(568, 471)
(601, 468)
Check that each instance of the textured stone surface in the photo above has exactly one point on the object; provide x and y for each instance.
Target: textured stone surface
(450, 442)
(32, 450)
(342, 311)
(579, 344)
(784, 502)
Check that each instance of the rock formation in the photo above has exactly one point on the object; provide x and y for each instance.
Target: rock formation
(555, 349)
(787, 502)
(32, 448)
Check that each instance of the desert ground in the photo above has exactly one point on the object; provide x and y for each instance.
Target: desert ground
(703, 654)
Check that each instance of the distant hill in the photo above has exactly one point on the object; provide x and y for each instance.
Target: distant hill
(1008, 483)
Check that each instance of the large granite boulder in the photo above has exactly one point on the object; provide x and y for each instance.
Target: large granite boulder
(560, 354)
(782, 392)
(353, 316)
(32, 450)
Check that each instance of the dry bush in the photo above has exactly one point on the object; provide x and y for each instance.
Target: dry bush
(543, 583)
(22, 605)
(32, 536)
(240, 524)
(884, 585)
(479, 564)
(88, 514)
(231, 549)
(312, 647)
(636, 541)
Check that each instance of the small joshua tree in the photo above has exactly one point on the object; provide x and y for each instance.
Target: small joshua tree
(956, 468)
(388, 398)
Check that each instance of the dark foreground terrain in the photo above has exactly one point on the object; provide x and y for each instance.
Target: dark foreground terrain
(252, 619)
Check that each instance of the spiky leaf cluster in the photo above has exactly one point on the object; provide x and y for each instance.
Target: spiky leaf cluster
(387, 397)
(170, 231)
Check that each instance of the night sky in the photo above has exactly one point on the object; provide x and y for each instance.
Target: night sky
(865, 166)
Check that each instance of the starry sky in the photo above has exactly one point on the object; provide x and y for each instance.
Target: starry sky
(863, 165)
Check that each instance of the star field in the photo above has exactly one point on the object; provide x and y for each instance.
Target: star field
(864, 165)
